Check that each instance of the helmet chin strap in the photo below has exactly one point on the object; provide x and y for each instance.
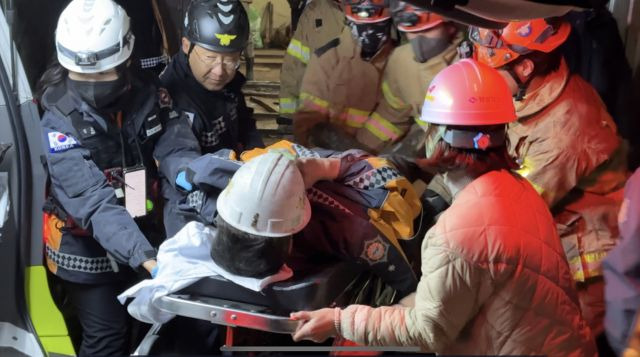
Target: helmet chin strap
(191, 47)
(522, 86)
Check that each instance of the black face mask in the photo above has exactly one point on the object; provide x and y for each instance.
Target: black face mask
(101, 95)
(371, 37)
(425, 48)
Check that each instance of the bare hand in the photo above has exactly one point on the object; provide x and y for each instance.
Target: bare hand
(316, 325)
(314, 169)
(149, 265)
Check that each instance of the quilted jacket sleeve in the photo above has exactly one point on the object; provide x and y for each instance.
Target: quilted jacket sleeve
(450, 293)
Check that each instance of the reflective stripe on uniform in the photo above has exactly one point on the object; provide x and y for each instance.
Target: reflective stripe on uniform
(288, 105)
(394, 102)
(79, 263)
(354, 118)
(299, 51)
(587, 266)
(525, 170)
(313, 102)
(421, 123)
(382, 128)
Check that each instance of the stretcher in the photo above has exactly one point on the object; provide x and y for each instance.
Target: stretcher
(222, 302)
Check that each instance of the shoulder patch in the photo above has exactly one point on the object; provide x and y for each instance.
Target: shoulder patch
(59, 142)
(326, 47)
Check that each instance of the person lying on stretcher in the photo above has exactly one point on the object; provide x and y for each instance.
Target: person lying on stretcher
(288, 204)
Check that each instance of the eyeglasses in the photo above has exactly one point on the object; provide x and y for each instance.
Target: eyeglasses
(485, 37)
(228, 64)
(493, 39)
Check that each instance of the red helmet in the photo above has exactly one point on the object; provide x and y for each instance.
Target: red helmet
(499, 47)
(366, 11)
(409, 18)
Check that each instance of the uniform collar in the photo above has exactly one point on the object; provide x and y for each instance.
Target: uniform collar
(539, 97)
(446, 57)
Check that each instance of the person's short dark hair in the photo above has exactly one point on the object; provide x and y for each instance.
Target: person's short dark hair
(447, 158)
(245, 254)
(544, 63)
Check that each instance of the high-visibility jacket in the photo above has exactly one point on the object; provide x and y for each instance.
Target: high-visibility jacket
(569, 150)
(321, 21)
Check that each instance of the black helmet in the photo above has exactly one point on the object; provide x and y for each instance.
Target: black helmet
(217, 25)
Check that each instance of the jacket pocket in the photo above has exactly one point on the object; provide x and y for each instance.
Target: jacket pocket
(74, 173)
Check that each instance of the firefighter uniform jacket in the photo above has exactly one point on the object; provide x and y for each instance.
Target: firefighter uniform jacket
(86, 152)
(339, 88)
(321, 21)
(404, 85)
(567, 146)
(364, 216)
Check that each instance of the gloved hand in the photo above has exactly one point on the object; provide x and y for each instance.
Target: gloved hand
(151, 266)
(182, 182)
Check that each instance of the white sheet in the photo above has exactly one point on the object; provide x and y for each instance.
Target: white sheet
(183, 260)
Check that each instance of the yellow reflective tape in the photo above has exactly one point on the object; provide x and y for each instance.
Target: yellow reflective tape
(288, 105)
(587, 265)
(314, 99)
(525, 170)
(354, 118)
(395, 102)
(299, 51)
(421, 123)
(314, 102)
(382, 128)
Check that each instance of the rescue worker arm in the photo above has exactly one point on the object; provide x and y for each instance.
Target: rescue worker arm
(294, 65)
(84, 193)
(449, 295)
(314, 100)
(412, 169)
(325, 135)
(176, 148)
(388, 123)
(318, 169)
(250, 137)
(212, 171)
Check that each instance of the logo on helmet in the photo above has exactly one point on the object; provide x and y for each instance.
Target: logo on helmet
(430, 97)
(481, 141)
(524, 30)
(225, 40)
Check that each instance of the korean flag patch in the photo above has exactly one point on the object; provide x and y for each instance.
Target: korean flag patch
(59, 142)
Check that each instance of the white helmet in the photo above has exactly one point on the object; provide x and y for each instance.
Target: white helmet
(266, 197)
(93, 36)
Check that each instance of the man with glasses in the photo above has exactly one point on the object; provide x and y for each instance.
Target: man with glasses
(204, 80)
